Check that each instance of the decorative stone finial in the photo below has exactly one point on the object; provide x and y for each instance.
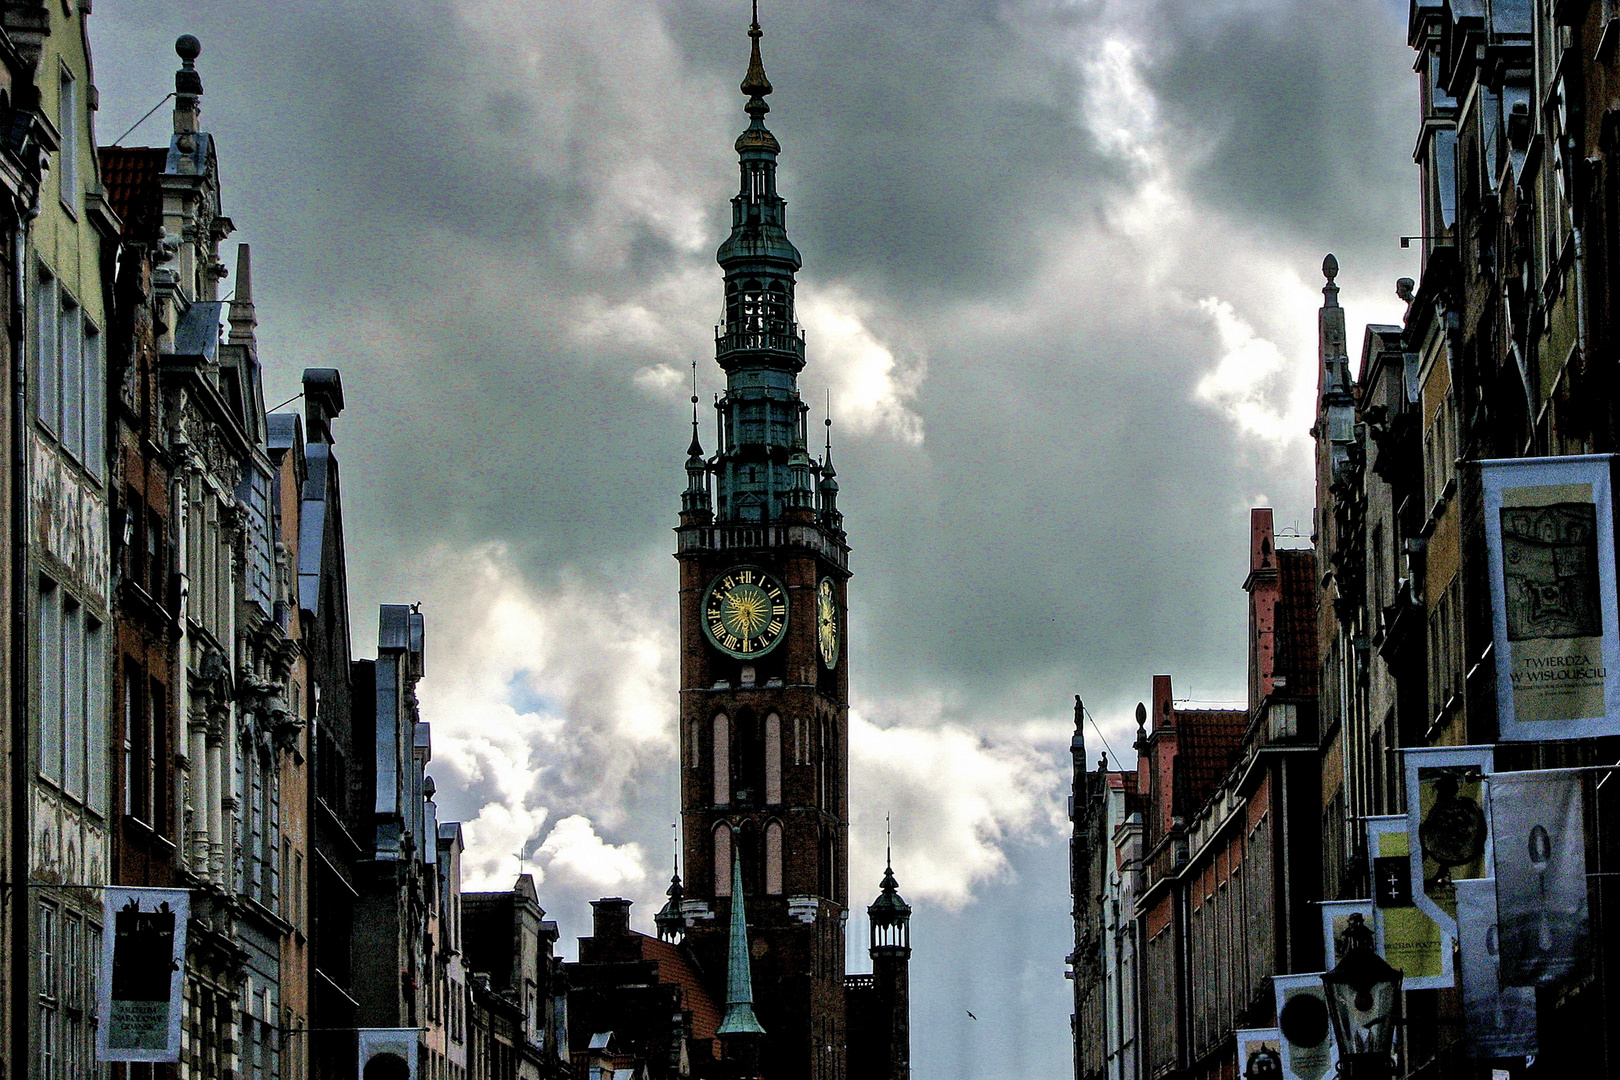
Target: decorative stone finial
(188, 48)
(1330, 267)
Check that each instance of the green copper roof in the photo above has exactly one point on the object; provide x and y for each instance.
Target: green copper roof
(739, 1019)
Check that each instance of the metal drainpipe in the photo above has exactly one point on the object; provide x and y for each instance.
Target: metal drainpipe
(1580, 297)
(21, 827)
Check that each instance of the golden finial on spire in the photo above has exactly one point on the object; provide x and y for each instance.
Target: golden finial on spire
(755, 84)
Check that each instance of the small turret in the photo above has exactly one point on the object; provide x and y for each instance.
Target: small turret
(890, 918)
(695, 504)
(671, 920)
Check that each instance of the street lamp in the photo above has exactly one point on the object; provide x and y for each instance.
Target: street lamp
(1364, 998)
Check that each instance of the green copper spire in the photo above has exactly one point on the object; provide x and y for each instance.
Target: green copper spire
(739, 1019)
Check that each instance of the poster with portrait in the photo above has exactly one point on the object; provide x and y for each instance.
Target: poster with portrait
(1259, 1053)
(1445, 807)
(1407, 938)
(1309, 1051)
(1540, 866)
(1549, 548)
(138, 1003)
(1500, 1020)
(1339, 916)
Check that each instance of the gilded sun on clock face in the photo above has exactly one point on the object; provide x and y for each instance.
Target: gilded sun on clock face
(827, 622)
(745, 612)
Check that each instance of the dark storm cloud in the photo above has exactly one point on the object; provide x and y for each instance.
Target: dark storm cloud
(1289, 111)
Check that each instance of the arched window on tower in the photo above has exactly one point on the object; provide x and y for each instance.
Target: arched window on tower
(776, 308)
(722, 760)
(773, 858)
(722, 860)
(823, 765)
(773, 759)
(748, 761)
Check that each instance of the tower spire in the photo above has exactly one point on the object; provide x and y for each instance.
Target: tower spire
(754, 83)
(739, 1018)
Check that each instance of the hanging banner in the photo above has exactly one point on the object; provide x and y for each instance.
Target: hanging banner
(1445, 800)
(1500, 1020)
(390, 1053)
(1406, 937)
(1549, 548)
(138, 1003)
(1540, 874)
(1339, 916)
(1259, 1052)
(1308, 1049)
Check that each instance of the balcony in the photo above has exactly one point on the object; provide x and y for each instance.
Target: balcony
(755, 537)
(728, 342)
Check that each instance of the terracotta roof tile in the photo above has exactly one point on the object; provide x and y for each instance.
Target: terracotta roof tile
(1206, 749)
(1297, 657)
(130, 175)
(676, 969)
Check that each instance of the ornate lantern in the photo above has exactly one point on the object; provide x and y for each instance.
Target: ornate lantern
(1364, 998)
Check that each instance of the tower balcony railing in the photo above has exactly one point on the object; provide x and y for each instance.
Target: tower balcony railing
(747, 339)
(754, 537)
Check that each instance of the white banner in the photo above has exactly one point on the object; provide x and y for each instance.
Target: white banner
(1500, 1020)
(1540, 874)
(1259, 1052)
(1445, 810)
(1309, 1051)
(1339, 916)
(1407, 937)
(143, 955)
(389, 1053)
(1549, 548)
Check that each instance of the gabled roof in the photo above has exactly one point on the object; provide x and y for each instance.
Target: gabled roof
(674, 968)
(1206, 749)
(1297, 656)
(131, 176)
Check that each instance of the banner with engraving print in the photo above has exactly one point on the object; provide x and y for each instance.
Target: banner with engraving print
(1309, 1051)
(1445, 811)
(138, 1002)
(1259, 1052)
(1500, 1020)
(1549, 548)
(1406, 936)
(1541, 914)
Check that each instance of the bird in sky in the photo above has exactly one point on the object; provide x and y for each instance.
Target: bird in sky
(970, 1014)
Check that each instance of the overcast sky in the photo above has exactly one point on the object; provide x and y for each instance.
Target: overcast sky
(1061, 268)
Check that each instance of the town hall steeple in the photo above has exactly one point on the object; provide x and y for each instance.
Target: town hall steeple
(764, 734)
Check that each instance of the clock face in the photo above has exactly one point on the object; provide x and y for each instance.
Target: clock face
(745, 612)
(827, 622)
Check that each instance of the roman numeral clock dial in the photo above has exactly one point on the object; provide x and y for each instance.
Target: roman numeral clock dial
(745, 612)
(827, 622)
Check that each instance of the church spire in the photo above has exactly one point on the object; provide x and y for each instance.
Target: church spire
(739, 1018)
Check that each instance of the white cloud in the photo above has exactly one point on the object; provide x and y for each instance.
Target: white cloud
(545, 698)
(1251, 382)
(574, 855)
(955, 797)
(873, 385)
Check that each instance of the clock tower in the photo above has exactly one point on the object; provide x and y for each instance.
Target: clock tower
(764, 666)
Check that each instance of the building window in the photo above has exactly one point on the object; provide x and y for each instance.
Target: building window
(773, 858)
(47, 361)
(67, 172)
(72, 747)
(722, 860)
(722, 761)
(773, 759)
